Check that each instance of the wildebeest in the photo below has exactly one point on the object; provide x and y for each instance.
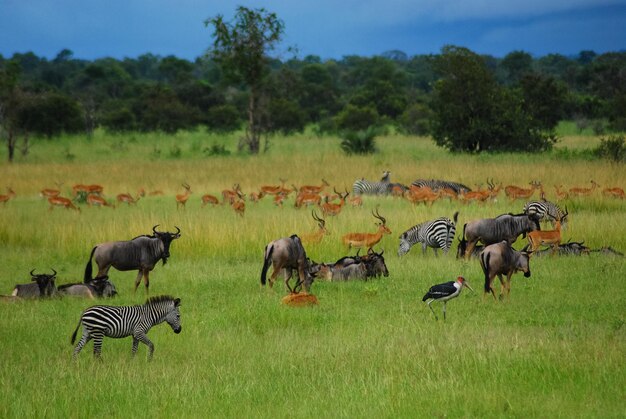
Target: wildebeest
(287, 254)
(493, 230)
(501, 259)
(566, 249)
(141, 253)
(354, 267)
(460, 250)
(98, 287)
(43, 286)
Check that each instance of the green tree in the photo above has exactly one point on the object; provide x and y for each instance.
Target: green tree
(516, 65)
(9, 103)
(241, 48)
(544, 99)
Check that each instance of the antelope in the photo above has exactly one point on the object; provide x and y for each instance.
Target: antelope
(367, 239)
(279, 198)
(547, 237)
(79, 188)
(328, 208)
(47, 192)
(448, 193)
(10, 194)
(239, 206)
(181, 199)
(318, 235)
(576, 191)
(209, 199)
(231, 195)
(560, 195)
(273, 190)
(614, 192)
(307, 198)
(422, 194)
(156, 192)
(356, 201)
(480, 196)
(515, 192)
(98, 201)
(95, 189)
(256, 196)
(313, 189)
(59, 201)
(127, 198)
(495, 190)
(397, 190)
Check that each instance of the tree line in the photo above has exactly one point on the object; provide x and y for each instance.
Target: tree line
(466, 101)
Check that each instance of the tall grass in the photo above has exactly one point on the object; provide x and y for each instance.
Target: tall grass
(556, 349)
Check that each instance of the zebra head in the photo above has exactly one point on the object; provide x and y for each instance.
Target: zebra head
(405, 244)
(173, 316)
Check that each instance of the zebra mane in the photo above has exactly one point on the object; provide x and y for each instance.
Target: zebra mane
(160, 299)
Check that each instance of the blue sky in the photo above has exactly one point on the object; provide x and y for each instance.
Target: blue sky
(327, 28)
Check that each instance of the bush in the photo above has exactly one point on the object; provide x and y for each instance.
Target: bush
(223, 118)
(612, 148)
(359, 142)
(286, 116)
(117, 120)
(354, 118)
(415, 120)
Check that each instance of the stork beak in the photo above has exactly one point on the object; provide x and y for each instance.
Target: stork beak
(465, 284)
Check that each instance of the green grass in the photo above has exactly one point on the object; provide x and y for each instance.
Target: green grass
(556, 349)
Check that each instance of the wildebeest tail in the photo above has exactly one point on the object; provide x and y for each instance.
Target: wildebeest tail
(75, 331)
(455, 217)
(88, 270)
(266, 263)
(484, 263)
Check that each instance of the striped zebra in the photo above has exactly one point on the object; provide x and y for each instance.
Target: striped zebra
(122, 321)
(436, 184)
(546, 211)
(366, 187)
(437, 233)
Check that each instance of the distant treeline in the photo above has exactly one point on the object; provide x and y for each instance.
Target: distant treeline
(150, 92)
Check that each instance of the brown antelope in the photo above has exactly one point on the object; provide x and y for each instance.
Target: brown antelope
(127, 198)
(550, 238)
(59, 201)
(209, 199)
(181, 199)
(273, 190)
(95, 189)
(422, 194)
(79, 188)
(156, 192)
(367, 240)
(515, 192)
(495, 190)
(97, 201)
(560, 195)
(318, 235)
(480, 196)
(231, 195)
(614, 192)
(328, 208)
(397, 191)
(256, 196)
(448, 193)
(49, 192)
(10, 194)
(313, 189)
(239, 206)
(576, 191)
(279, 198)
(356, 201)
(307, 198)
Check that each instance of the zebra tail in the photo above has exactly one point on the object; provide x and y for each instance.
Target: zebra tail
(266, 263)
(88, 272)
(75, 331)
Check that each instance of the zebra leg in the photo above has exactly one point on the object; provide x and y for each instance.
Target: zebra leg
(141, 337)
(135, 346)
(81, 343)
(97, 344)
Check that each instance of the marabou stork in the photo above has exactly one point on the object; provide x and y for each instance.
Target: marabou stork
(445, 292)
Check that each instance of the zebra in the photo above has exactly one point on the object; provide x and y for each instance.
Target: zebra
(366, 187)
(437, 233)
(121, 321)
(546, 211)
(436, 184)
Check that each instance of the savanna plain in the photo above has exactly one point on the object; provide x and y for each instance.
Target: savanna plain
(556, 348)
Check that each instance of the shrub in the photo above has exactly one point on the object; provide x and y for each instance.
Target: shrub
(354, 118)
(415, 120)
(612, 148)
(359, 142)
(223, 118)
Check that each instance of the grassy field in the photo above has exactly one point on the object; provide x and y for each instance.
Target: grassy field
(369, 349)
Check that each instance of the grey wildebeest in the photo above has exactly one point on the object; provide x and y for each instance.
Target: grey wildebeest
(353, 267)
(287, 254)
(501, 259)
(142, 253)
(98, 287)
(43, 286)
(493, 230)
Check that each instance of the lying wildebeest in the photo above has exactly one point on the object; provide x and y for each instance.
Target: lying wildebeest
(98, 287)
(142, 253)
(43, 286)
(501, 259)
(493, 230)
(287, 254)
(608, 250)
(354, 267)
(566, 249)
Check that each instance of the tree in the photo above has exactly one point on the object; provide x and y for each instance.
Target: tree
(517, 64)
(241, 48)
(9, 102)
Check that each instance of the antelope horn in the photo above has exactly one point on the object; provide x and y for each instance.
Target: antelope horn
(380, 217)
(335, 189)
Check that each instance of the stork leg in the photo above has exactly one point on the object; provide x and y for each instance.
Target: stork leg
(444, 310)
(431, 309)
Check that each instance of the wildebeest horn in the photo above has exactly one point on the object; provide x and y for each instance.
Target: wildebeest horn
(32, 273)
(154, 229)
(55, 272)
(177, 230)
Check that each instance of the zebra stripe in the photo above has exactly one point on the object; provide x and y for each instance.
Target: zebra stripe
(546, 211)
(123, 321)
(436, 184)
(437, 234)
(366, 187)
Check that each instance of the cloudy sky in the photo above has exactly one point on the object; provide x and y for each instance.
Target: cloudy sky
(327, 28)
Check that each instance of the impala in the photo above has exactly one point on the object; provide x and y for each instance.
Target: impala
(181, 199)
(328, 208)
(313, 189)
(48, 192)
(279, 198)
(318, 235)
(209, 199)
(560, 195)
(367, 240)
(614, 192)
(547, 237)
(256, 196)
(127, 198)
(97, 201)
(231, 195)
(79, 188)
(356, 201)
(576, 191)
(59, 201)
(422, 194)
(515, 192)
(239, 206)
(95, 189)
(307, 198)
(273, 190)
(10, 194)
